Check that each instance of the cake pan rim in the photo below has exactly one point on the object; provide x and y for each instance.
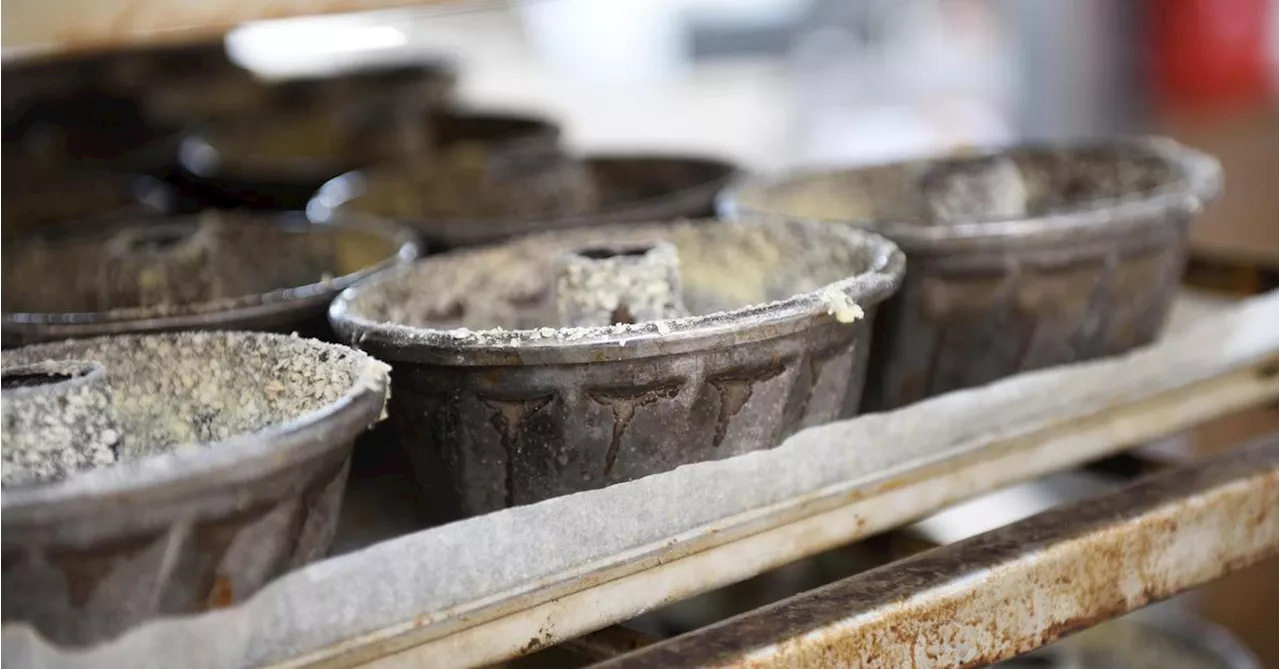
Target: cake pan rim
(242, 457)
(335, 193)
(1202, 182)
(24, 325)
(397, 342)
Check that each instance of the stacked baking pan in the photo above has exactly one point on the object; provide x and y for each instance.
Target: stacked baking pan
(259, 272)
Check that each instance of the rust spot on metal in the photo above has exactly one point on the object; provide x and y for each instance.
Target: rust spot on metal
(735, 390)
(545, 637)
(508, 419)
(624, 403)
(210, 543)
(222, 594)
(1009, 591)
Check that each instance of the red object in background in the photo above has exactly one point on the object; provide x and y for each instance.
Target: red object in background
(1213, 53)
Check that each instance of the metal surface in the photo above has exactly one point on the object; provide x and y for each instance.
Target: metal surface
(60, 133)
(410, 88)
(135, 73)
(333, 126)
(1014, 589)
(38, 200)
(186, 529)
(1154, 638)
(501, 417)
(1090, 269)
(628, 188)
(78, 281)
(473, 166)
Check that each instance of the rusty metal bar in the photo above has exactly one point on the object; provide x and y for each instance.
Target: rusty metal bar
(609, 643)
(1016, 588)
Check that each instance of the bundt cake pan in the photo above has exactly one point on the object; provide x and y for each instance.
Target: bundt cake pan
(206, 464)
(33, 201)
(277, 159)
(214, 271)
(529, 370)
(125, 71)
(38, 79)
(627, 189)
(1020, 259)
(192, 99)
(272, 160)
(65, 132)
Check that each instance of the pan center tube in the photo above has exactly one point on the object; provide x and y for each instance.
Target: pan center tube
(59, 419)
(173, 264)
(618, 284)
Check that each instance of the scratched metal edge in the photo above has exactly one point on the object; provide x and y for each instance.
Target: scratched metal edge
(1065, 569)
(46, 28)
(552, 617)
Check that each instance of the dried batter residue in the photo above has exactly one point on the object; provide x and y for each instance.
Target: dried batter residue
(1019, 183)
(185, 391)
(483, 294)
(186, 265)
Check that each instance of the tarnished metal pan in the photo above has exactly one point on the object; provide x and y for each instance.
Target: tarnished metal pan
(65, 132)
(627, 189)
(33, 201)
(126, 71)
(230, 456)
(230, 91)
(215, 271)
(1020, 259)
(572, 360)
(278, 159)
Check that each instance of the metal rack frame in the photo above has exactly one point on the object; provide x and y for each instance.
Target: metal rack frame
(966, 604)
(1014, 589)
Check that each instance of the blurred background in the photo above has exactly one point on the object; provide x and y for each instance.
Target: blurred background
(777, 82)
